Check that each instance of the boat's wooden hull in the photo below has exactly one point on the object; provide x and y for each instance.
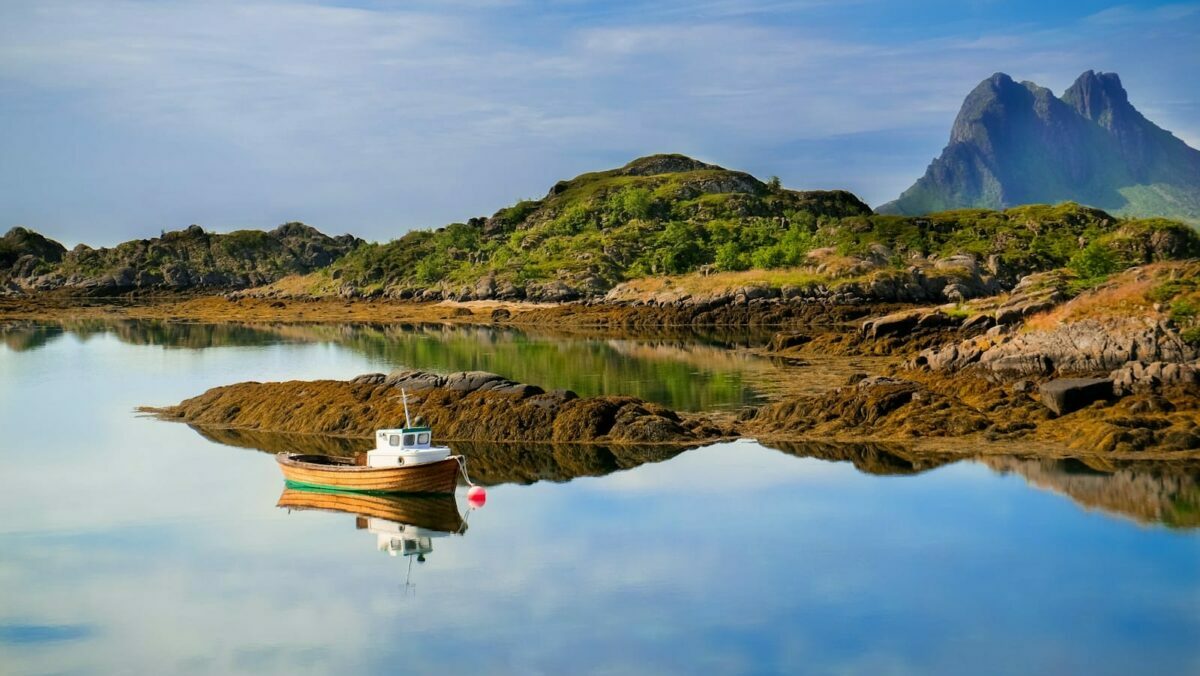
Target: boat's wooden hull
(341, 474)
(434, 512)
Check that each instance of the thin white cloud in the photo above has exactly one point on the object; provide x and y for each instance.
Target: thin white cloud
(1124, 15)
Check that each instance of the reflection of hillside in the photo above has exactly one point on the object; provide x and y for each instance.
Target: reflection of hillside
(1145, 491)
(586, 365)
(174, 334)
(683, 368)
(25, 336)
(489, 464)
(30, 335)
(870, 458)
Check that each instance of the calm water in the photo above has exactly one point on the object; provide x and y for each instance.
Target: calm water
(131, 545)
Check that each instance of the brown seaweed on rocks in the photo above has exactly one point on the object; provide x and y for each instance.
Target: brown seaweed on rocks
(464, 406)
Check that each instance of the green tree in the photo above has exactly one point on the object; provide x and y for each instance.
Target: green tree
(681, 248)
(630, 204)
(1094, 261)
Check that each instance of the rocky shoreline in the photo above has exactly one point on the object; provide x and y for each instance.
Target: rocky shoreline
(1113, 369)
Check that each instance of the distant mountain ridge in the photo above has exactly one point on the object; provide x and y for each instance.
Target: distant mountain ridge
(180, 260)
(653, 218)
(1016, 143)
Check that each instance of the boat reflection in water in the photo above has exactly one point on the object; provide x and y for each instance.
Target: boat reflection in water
(403, 525)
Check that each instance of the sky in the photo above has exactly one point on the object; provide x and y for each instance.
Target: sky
(121, 118)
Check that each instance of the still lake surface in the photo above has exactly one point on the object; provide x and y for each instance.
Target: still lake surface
(132, 545)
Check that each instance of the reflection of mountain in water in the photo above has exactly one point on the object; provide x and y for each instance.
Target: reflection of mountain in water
(1145, 491)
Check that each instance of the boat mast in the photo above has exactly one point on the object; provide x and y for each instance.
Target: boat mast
(404, 398)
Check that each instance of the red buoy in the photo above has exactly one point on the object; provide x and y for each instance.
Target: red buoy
(476, 496)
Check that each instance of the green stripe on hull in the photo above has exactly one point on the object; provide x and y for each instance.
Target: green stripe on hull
(321, 488)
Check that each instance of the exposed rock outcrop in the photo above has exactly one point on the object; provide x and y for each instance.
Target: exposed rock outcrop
(1084, 347)
(1064, 395)
(1145, 314)
(874, 407)
(1137, 376)
(467, 406)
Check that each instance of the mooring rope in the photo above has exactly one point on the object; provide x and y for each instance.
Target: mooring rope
(462, 466)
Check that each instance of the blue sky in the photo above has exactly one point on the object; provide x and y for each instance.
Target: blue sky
(121, 118)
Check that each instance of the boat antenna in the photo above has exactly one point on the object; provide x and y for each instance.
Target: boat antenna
(404, 398)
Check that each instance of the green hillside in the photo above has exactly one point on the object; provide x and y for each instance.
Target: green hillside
(670, 215)
(656, 215)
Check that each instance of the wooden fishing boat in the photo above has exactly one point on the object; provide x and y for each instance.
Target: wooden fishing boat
(404, 460)
(326, 471)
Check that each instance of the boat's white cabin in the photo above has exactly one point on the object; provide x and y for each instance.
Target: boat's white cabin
(405, 446)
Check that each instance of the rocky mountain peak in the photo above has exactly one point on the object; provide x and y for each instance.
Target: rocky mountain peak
(296, 229)
(1017, 144)
(1101, 98)
(673, 163)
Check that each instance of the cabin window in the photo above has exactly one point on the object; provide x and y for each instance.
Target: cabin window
(423, 438)
(408, 439)
(394, 440)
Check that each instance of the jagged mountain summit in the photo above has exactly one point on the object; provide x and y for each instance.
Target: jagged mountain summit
(1016, 143)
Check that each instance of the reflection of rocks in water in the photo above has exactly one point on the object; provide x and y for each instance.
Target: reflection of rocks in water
(1146, 491)
(489, 463)
(26, 336)
(871, 458)
(277, 442)
(686, 368)
(527, 463)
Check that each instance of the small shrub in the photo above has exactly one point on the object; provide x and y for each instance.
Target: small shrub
(767, 257)
(1184, 309)
(730, 257)
(1167, 291)
(958, 312)
(1095, 261)
(630, 204)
